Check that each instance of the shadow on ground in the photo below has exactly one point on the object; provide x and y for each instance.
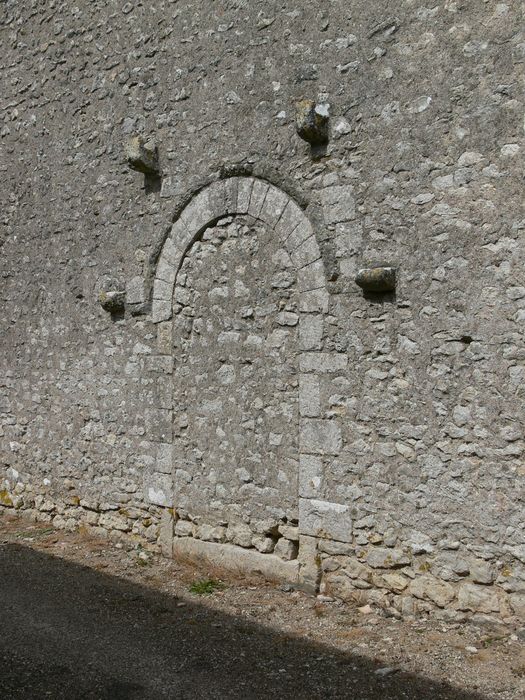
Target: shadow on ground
(70, 632)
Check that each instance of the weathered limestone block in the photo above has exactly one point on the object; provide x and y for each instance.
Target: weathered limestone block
(159, 424)
(136, 290)
(244, 193)
(263, 544)
(311, 122)
(274, 204)
(482, 572)
(379, 558)
(184, 528)
(311, 276)
(162, 290)
(165, 536)
(377, 280)
(478, 598)
(336, 548)
(236, 559)
(309, 396)
(210, 533)
(196, 215)
(161, 311)
(142, 155)
(320, 436)
(323, 361)
(291, 218)
(325, 520)
(309, 562)
(289, 532)
(165, 271)
(158, 489)
(450, 566)
(329, 564)
(517, 603)
(395, 582)
(338, 585)
(114, 521)
(338, 204)
(301, 233)
(240, 534)
(427, 587)
(164, 460)
(314, 301)
(311, 332)
(258, 195)
(170, 254)
(310, 476)
(286, 549)
(267, 526)
(308, 252)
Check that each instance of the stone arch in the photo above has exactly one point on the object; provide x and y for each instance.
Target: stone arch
(319, 435)
(262, 201)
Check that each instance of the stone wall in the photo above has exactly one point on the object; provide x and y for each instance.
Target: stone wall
(244, 389)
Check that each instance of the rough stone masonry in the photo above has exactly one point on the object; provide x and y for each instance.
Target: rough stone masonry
(304, 360)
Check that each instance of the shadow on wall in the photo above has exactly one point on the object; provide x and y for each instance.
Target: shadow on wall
(71, 632)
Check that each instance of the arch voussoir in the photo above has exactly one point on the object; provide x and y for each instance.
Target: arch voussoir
(261, 200)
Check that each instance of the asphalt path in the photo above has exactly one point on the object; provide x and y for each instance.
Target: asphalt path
(69, 632)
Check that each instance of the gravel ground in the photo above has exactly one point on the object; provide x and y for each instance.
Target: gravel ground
(88, 618)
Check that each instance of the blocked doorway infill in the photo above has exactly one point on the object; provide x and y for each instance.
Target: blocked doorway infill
(235, 378)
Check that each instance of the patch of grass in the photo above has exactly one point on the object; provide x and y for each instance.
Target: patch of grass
(491, 640)
(206, 586)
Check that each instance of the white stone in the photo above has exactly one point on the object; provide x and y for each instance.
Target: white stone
(310, 332)
(320, 437)
(477, 598)
(325, 519)
(323, 361)
(310, 476)
(237, 560)
(286, 549)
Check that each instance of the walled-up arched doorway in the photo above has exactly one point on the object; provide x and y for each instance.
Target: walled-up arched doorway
(241, 280)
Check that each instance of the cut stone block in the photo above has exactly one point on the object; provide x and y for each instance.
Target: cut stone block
(311, 122)
(236, 559)
(377, 280)
(320, 437)
(310, 476)
(158, 489)
(142, 155)
(324, 519)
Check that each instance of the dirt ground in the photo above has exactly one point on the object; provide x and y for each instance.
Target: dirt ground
(449, 661)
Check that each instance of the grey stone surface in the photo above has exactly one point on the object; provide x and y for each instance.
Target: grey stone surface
(243, 561)
(377, 279)
(311, 121)
(412, 417)
(142, 155)
(235, 384)
(320, 437)
(326, 520)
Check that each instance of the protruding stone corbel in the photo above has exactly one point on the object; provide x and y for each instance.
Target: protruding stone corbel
(114, 302)
(377, 280)
(142, 155)
(311, 122)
